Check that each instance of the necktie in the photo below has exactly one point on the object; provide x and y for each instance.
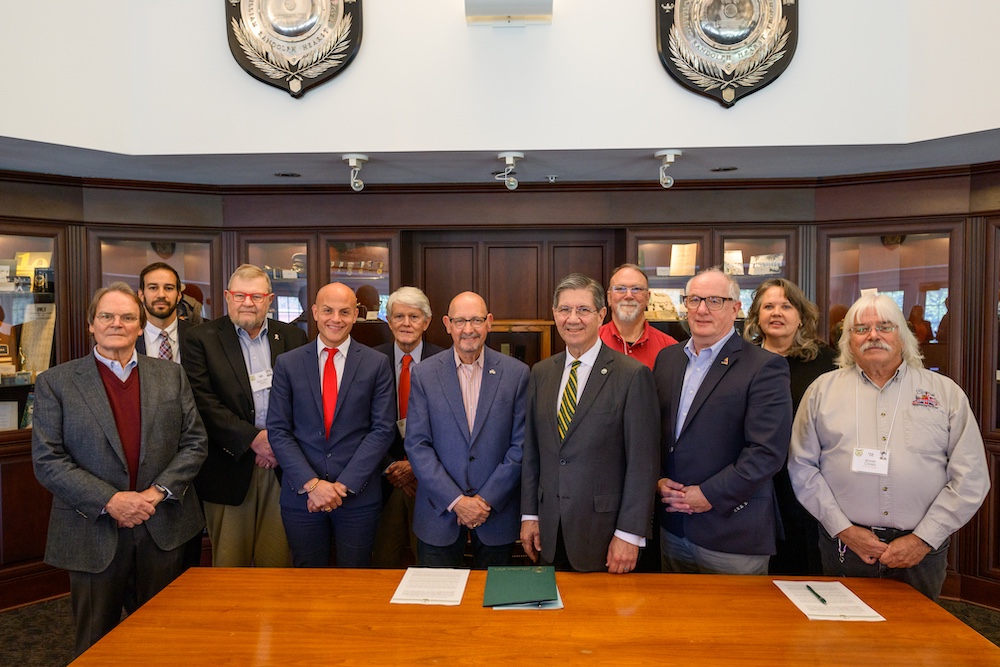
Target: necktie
(567, 406)
(165, 351)
(329, 389)
(404, 386)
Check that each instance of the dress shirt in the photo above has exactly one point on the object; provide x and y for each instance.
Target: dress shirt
(470, 380)
(937, 476)
(257, 357)
(121, 372)
(398, 355)
(644, 349)
(694, 375)
(152, 337)
(338, 360)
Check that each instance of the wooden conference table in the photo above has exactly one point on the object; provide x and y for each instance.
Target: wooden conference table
(216, 616)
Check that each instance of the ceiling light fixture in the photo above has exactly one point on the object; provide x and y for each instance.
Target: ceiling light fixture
(355, 160)
(667, 157)
(506, 176)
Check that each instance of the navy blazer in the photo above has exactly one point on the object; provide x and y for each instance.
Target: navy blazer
(734, 441)
(363, 423)
(449, 461)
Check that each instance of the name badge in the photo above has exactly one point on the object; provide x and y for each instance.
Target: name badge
(262, 380)
(870, 461)
(401, 425)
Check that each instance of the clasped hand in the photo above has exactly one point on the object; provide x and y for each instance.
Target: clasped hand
(472, 511)
(326, 496)
(680, 498)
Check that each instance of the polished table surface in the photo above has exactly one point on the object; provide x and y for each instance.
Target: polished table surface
(216, 616)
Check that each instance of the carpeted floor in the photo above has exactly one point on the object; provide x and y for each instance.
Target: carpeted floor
(31, 636)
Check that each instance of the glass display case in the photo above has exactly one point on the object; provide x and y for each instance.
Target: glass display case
(27, 322)
(752, 260)
(364, 267)
(287, 264)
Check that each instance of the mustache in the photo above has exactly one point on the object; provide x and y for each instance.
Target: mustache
(875, 345)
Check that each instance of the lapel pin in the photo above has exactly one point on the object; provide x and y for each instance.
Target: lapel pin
(492, 372)
(725, 362)
(276, 337)
(604, 371)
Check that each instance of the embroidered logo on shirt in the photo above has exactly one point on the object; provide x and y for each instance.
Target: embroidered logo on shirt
(925, 398)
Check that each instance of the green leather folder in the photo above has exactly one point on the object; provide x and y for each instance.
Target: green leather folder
(520, 585)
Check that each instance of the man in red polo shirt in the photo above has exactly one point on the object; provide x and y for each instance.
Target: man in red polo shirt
(628, 331)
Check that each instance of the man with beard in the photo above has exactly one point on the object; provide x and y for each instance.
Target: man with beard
(229, 362)
(628, 331)
(887, 455)
(160, 292)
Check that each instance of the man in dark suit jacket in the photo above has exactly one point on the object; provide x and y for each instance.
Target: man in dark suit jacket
(465, 437)
(726, 411)
(590, 446)
(331, 421)
(117, 440)
(229, 362)
(160, 292)
(409, 316)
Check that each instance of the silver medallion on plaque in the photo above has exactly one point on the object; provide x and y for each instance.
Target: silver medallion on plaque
(294, 44)
(726, 49)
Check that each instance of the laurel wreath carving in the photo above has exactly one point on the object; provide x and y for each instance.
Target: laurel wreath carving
(709, 75)
(275, 65)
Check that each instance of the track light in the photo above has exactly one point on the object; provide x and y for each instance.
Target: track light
(510, 158)
(355, 160)
(667, 157)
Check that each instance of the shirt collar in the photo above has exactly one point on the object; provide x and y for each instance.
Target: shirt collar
(154, 331)
(588, 358)
(112, 363)
(417, 352)
(242, 333)
(714, 347)
(342, 348)
(478, 362)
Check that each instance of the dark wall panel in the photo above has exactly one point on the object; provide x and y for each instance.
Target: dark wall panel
(512, 287)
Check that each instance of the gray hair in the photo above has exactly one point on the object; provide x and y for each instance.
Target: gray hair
(122, 288)
(734, 287)
(887, 310)
(579, 281)
(249, 272)
(413, 297)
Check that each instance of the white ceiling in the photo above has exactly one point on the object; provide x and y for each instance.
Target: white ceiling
(448, 168)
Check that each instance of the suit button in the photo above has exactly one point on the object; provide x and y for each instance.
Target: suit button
(671, 450)
(562, 462)
(468, 490)
(472, 458)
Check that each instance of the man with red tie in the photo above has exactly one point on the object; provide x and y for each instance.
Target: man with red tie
(330, 422)
(410, 314)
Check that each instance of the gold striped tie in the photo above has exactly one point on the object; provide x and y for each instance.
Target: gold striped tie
(567, 407)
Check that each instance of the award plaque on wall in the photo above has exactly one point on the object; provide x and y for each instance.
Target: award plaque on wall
(726, 49)
(294, 44)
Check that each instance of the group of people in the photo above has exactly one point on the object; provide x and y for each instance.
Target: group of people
(306, 453)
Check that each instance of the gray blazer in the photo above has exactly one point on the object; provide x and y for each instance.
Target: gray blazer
(602, 478)
(78, 456)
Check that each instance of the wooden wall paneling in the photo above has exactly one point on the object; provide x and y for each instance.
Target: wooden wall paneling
(589, 258)
(512, 281)
(444, 271)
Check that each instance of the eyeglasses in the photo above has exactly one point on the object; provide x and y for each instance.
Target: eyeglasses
(582, 312)
(108, 318)
(256, 297)
(622, 289)
(399, 318)
(711, 302)
(864, 329)
(460, 322)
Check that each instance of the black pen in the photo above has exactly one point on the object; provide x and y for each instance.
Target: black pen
(818, 596)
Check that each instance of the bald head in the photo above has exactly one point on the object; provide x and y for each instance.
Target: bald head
(335, 310)
(468, 321)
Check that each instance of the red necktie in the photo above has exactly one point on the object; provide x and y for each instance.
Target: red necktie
(329, 389)
(404, 386)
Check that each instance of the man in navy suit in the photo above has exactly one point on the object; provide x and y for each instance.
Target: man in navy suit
(409, 316)
(465, 433)
(330, 421)
(726, 418)
(160, 292)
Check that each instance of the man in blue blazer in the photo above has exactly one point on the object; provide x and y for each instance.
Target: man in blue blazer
(330, 421)
(726, 418)
(464, 436)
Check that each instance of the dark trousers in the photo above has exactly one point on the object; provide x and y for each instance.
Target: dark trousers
(452, 555)
(139, 570)
(927, 576)
(351, 528)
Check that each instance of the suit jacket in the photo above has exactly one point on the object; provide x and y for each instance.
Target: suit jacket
(449, 462)
(182, 329)
(734, 441)
(214, 363)
(396, 451)
(362, 428)
(79, 457)
(602, 477)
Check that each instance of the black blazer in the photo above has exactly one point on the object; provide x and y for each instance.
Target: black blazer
(396, 452)
(214, 363)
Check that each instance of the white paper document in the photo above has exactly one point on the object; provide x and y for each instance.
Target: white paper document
(827, 601)
(431, 585)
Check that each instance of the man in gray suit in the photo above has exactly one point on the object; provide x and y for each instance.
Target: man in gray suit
(117, 440)
(591, 447)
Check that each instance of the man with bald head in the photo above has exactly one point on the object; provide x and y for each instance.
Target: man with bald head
(464, 435)
(331, 421)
